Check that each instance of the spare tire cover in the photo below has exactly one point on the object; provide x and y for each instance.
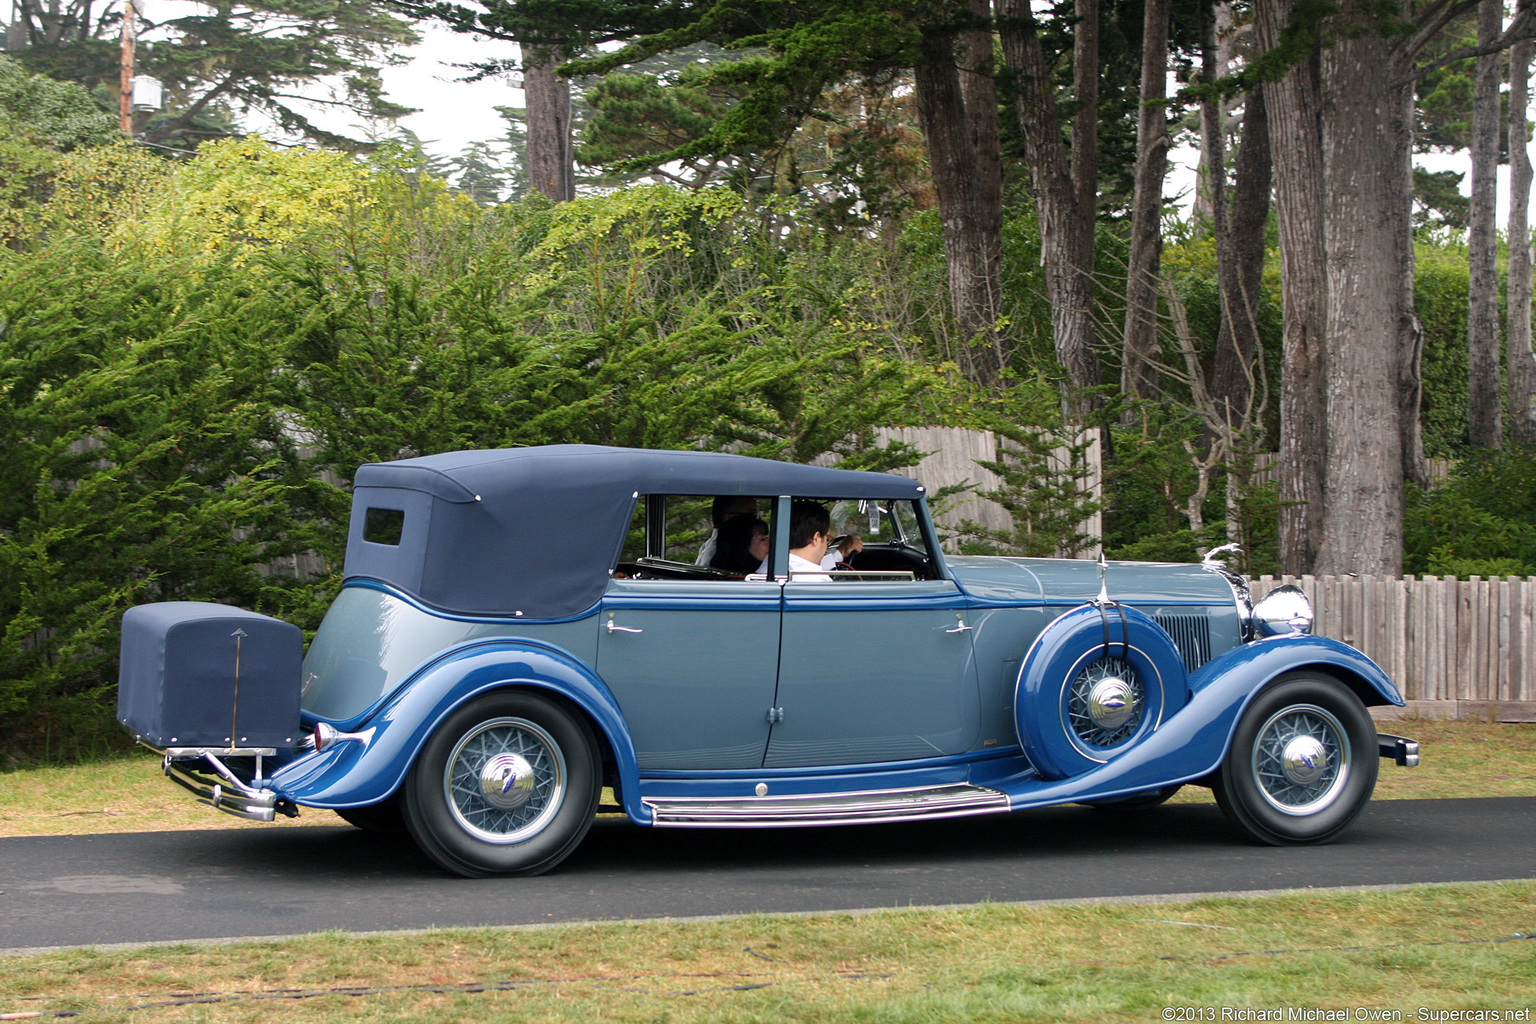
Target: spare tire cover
(1095, 683)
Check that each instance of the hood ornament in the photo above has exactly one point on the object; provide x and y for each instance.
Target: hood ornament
(1211, 558)
(1103, 599)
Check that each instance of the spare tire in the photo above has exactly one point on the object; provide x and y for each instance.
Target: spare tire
(1095, 683)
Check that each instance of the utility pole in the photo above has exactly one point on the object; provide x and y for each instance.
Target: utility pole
(125, 80)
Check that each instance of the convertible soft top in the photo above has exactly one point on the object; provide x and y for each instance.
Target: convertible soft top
(533, 532)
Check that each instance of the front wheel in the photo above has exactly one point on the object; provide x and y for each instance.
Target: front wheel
(1303, 762)
(507, 785)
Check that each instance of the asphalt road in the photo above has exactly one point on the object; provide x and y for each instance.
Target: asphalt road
(75, 890)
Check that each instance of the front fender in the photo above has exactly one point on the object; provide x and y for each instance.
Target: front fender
(358, 773)
(1193, 742)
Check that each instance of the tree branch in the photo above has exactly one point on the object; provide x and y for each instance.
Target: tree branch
(1522, 28)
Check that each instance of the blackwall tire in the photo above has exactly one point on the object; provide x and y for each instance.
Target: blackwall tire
(384, 818)
(507, 785)
(1302, 764)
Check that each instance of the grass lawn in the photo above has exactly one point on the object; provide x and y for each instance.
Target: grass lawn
(1384, 953)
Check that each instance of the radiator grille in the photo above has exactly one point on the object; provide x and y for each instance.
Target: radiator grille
(1191, 635)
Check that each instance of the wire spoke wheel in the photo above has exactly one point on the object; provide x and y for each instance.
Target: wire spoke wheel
(506, 785)
(504, 780)
(1301, 760)
(1106, 703)
(1301, 765)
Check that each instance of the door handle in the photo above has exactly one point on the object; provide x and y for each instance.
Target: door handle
(621, 629)
(961, 628)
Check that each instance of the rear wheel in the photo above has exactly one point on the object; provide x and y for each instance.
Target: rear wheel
(507, 785)
(384, 817)
(1303, 762)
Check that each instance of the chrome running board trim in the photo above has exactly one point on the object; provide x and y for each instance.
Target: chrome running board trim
(825, 809)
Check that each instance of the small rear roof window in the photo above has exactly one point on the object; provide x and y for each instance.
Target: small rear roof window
(384, 526)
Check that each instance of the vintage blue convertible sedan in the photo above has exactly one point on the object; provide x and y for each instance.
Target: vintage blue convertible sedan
(519, 629)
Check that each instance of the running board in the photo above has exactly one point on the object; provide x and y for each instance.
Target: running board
(825, 808)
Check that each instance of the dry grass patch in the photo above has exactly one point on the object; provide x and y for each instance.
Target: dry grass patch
(120, 794)
(1431, 946)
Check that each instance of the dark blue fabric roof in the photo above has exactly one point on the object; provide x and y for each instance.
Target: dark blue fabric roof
(534, 531)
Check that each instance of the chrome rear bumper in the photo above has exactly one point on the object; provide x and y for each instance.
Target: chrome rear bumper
(201, 772)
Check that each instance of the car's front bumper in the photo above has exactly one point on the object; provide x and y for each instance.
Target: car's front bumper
(1400, 749)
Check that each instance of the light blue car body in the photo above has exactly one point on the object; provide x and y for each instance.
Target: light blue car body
(702, 690)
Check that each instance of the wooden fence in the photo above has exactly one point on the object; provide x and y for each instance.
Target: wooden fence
(1456, 648)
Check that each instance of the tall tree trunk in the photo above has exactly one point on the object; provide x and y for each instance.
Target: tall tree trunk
(1522, 362)
(551, 164)
(1483, 407)
(1066, 185)
(1138, 376)
(1241, 272)
(957, 109)
(1365, 227)
(1294, 111)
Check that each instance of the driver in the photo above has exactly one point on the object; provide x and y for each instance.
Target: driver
(809, 533)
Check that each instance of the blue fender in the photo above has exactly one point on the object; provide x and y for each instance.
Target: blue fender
(1192, 742)
(355, 774)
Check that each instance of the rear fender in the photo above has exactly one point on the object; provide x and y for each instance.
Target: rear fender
(354, 773)
(1192, 742)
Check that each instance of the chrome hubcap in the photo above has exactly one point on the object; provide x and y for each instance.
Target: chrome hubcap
(1106, 704)
(1304, 760)
(1111, 703)
(1301, 759)
(505, 780)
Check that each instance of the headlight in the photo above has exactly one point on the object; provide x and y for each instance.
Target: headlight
(1286, 609)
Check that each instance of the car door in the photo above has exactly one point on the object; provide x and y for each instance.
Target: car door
(693, 666)
(873, 670)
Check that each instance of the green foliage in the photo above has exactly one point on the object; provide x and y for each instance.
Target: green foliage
(1440, 301)
(1438, 201)
(1045, 479)
(59, 116)
(1482, 521)
(223, 59)
(182, 369)
(145, 461)
(40, 119)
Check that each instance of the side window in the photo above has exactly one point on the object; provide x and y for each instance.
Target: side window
(692, 536)
(880, 537)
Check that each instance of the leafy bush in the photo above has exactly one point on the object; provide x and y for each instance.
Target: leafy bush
(1480, 522)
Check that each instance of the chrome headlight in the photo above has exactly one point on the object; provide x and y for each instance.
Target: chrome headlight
(1286, 609)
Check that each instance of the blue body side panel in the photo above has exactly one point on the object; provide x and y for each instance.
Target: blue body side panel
(353, 774)
(1188, 746)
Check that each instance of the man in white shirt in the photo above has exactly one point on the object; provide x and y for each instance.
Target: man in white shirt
(809, 533)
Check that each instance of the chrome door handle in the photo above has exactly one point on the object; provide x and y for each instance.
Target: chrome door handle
(622, 629)
(960, 628)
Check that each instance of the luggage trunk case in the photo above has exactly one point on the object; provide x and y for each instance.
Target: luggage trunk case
(194, 674)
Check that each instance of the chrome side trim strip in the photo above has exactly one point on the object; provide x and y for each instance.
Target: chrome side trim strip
(826, 809)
